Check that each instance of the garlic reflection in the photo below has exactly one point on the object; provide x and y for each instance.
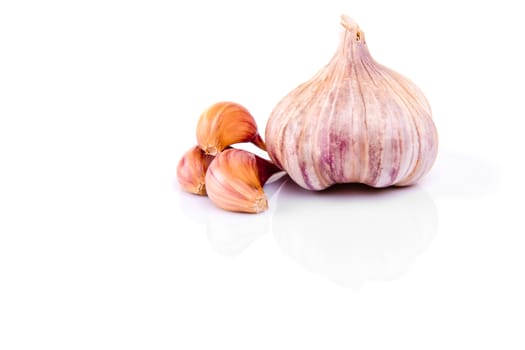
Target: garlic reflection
(231, 233)
(352, 233)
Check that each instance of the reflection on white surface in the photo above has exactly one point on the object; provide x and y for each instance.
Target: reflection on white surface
(229, 233)
(348, 233)
(353, 233)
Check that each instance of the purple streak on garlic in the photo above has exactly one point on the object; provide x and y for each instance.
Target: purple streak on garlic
(354, 121)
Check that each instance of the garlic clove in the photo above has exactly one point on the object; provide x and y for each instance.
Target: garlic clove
(354, 121)
(224, 124)
(191, 170)
(235, 178)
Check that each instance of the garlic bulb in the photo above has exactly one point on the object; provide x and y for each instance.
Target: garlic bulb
(354, 121)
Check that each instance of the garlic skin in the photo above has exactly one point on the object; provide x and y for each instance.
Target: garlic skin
(191, 170)
(225, 123)
(354, 121)
(235, 178)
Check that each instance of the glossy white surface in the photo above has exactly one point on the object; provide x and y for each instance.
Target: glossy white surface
(99, 249)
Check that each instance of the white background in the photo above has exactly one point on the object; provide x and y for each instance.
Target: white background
(99, 249)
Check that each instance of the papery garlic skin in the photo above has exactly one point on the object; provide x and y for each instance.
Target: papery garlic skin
(235, 178)
(354, 121)
(226, 123)
(191, 170)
